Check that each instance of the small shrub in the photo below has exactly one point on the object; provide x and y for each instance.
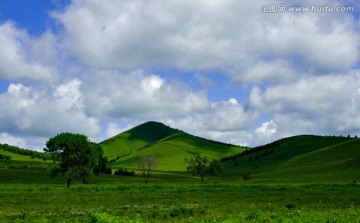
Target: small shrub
(101, 218)
(107, 171)
(177, 212)
(246, 177)
(236, 162)
(290, 206)
(121, 172)
(253, 215)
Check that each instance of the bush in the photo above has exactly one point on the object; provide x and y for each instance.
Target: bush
(4, 157)
(107, 171)
(107, 218)
(121, 172)
(246, 177)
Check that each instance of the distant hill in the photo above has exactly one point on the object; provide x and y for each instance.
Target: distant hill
(303, 157)
(136, 138)
(169, 146)
(13, 157)
(19, 154)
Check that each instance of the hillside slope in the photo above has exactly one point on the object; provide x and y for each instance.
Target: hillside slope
(135, 139)
(169, 146)
(341, 160)
(299, 157)
(20, 154)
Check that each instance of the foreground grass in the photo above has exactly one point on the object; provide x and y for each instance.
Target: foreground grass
(128, 199)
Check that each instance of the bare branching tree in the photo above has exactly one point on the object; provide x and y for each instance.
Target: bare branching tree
(146, 164)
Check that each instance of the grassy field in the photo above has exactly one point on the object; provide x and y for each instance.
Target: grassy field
(172, 199)
(297, 179)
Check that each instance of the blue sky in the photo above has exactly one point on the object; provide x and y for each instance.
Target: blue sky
(30, 15)
(218, 69)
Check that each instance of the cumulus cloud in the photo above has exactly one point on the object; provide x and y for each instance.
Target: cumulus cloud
(26, 57)
(99, 65)
(226, 121)
(86, 105)
(231, 36)
(319, 42)
(139, 94)
(45, 112)
(317, 105)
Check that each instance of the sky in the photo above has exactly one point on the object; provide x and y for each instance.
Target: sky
(238, 71)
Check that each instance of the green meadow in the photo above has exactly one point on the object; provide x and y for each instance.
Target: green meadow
(169, 198)
(297, 179)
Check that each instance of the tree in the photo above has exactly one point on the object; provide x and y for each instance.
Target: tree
(99, 160)
(146, 163)
(202, 166)
(76, 155)
(121, 172)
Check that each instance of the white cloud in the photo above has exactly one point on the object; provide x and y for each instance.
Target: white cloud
(323, 43)
(139, 95)
(233, 101)
(267, 128)
(44, 112)
(69, 95)
(151, 84)
(226, 121)
(22, 56)
(296, 64)
(234, 37)
(6, 138)
(312, 105)
(270, 71)
(31, 142)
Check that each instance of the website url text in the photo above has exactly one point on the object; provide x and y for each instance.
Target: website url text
(275, 8)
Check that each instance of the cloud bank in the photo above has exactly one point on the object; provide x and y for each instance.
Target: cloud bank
(107, 67)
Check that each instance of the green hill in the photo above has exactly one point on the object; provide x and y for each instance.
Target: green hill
(18, 157)
(341, 160)
(19, 154)
(13, 157)
(300, 157)
(304, 158)
(169, 146)
(136, 138)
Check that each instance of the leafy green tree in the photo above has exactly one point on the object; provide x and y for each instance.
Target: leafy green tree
(202, 166)
(76, 156)
(99, 160)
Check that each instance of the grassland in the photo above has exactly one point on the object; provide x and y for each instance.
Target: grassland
(169, 199)
(297, 179)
